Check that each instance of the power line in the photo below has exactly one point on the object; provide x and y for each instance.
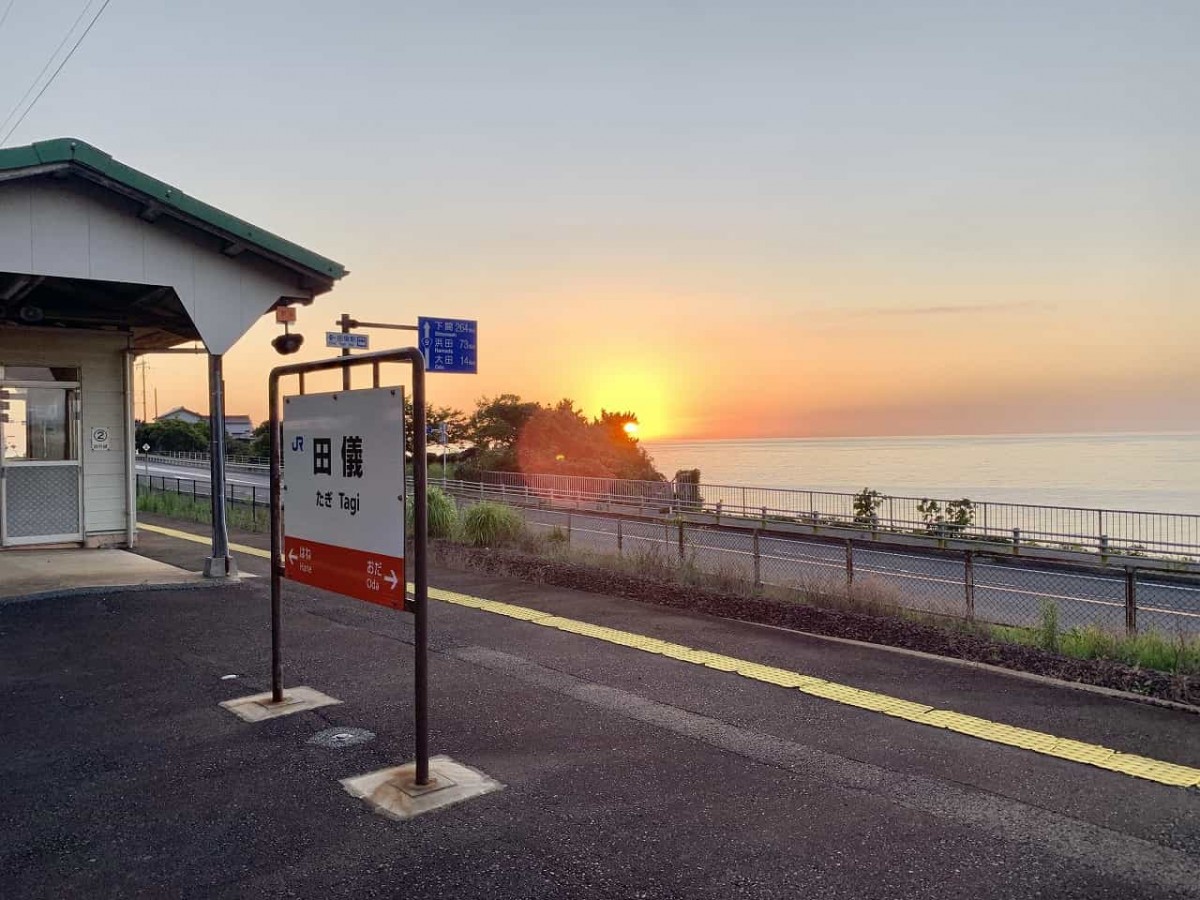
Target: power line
(49, 62)
(50, 81)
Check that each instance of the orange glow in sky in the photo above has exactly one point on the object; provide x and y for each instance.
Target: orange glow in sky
(772, 219)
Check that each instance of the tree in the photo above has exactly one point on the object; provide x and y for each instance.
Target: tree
(866, 507)
(457, 430)
(497, 423)
(260, 441)
(558, 440)
(172, 436)
(627, 458)
(455, 420)
(513, 435)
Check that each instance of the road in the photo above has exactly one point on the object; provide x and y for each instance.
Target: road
(1006, 592)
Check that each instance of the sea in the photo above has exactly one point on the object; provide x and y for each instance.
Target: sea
(1145, 472)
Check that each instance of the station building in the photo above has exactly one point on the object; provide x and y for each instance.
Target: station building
(100, 263)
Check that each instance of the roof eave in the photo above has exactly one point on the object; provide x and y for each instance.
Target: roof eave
(53, 156)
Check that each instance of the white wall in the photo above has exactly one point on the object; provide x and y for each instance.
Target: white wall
(53, 228)
(102, 403)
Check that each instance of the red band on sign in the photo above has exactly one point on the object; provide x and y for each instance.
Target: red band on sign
(364, 576)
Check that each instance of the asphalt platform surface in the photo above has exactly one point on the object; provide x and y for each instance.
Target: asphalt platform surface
(627, 775)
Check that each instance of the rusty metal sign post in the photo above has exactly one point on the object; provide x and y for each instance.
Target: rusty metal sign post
(420, 600)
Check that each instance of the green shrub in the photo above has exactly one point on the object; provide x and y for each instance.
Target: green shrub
(490, 524)
(443, 514)
(866, 507)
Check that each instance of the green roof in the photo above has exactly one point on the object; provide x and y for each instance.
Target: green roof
(99, 166)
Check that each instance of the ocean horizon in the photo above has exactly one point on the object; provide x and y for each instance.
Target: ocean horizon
(1156, 471)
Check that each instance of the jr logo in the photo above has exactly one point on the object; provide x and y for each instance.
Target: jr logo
(298, 444)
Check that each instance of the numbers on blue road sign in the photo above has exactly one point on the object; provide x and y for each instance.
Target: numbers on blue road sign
(448, 345)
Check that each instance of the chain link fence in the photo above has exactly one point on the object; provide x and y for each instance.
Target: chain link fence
(969, 585)
(1132, 533)
(865, 573)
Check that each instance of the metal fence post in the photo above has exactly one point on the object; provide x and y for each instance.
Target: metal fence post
(681, 553)
(757, 564)
(1130, 600)
(764, 517)
(718, 512)
(969, 583)
(568, 528)
(849, 565)
(620, 539)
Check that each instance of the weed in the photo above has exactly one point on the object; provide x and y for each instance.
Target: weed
(491, 524)
(442, 514)
(182, 506)
(1047, 631)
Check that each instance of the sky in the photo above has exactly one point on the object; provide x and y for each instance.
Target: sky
(750, 219)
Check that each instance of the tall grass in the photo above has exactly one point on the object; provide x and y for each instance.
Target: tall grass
(443, 519)
(490, 524)
(182, 506)
(1048, 634)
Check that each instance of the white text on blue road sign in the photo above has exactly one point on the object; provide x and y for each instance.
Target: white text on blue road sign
(352, 341)
(448, 345)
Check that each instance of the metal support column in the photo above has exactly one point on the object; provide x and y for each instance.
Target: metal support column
(969, 582)
(757, 564)
(346, 323)
(220, 564)
(1131, 600)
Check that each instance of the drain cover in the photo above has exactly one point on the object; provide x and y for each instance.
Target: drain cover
(341, 738)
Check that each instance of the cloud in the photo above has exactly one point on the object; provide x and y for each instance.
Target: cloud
(944, 310)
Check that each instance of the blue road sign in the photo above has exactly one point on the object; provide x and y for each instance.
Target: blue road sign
(448, 345)
(353, 341)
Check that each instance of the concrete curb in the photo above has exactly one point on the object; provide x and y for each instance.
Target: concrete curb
(1111, 693)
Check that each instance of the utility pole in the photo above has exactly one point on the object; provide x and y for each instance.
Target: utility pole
(345, 323)
(145, 408)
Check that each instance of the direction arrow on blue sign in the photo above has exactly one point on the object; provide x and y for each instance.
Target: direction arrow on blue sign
(448, 345)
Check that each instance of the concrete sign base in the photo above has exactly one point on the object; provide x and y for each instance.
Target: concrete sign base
(394, 792)
(258, 707)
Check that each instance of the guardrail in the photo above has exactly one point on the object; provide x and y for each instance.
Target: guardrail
(1106, 532)
(956, 579)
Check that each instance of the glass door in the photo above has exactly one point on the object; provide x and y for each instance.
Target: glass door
(40, 475)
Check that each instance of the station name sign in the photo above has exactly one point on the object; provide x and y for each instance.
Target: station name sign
(343, 463)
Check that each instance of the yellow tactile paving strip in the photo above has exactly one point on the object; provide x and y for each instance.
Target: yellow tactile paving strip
(995, 732)
(972, 726)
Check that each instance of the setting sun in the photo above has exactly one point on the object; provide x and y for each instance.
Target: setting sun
(631, 429)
